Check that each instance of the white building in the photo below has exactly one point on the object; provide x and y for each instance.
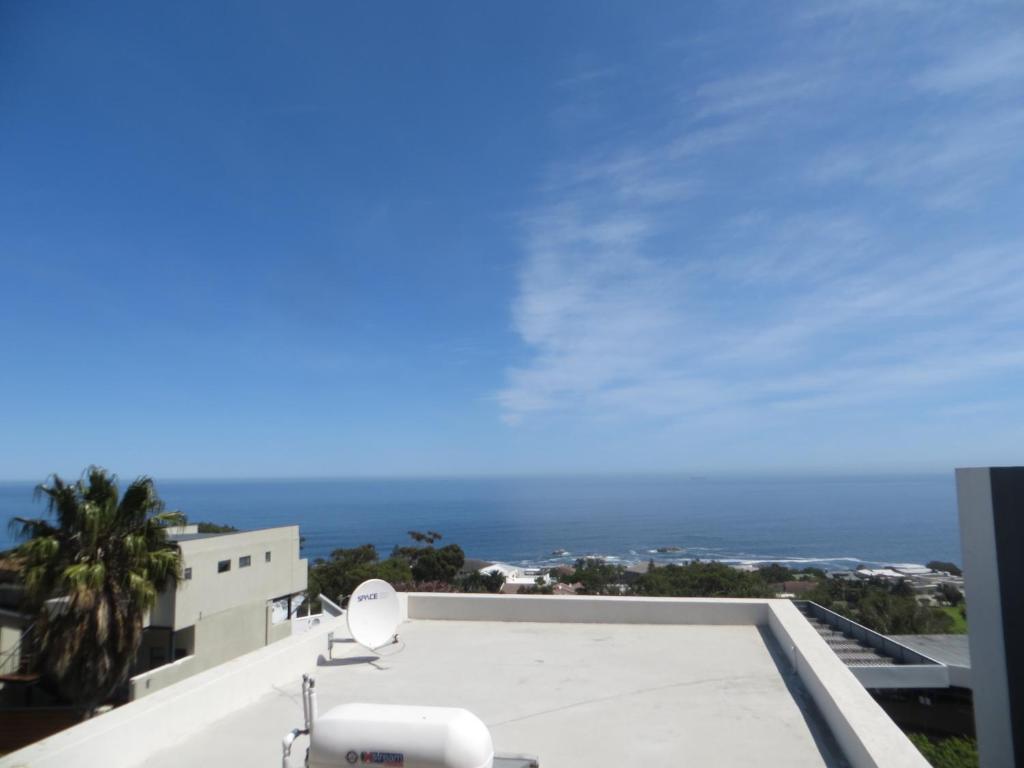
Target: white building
(237, 594)
(517, 576)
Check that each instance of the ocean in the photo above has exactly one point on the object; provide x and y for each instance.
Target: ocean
(829, 522)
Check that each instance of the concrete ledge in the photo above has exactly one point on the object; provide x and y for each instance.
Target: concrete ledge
(960, 676)
(587, 609)
(124, 736)
(865, 733)
(157, 679)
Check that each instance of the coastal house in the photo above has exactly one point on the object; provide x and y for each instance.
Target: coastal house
(517, 576)
(237, 593)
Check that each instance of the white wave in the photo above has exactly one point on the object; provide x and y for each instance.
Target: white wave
(686, 555)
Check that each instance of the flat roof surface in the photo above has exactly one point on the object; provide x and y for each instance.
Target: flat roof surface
(947, 649)
(572, 694)
(194, 536)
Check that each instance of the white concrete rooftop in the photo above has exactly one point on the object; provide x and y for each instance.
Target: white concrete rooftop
(572, 694)
(575, 681)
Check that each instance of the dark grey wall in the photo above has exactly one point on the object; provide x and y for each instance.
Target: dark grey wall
(991, 502)
(1008, 519)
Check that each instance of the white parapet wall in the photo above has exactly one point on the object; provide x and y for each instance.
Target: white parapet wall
(592, 609)
(126, 736)
(864, 732)
(157, 679)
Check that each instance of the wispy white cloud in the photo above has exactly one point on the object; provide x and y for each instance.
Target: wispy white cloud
(758, 91)
(586, 76)
(946, 165)
(960, 120)
(995, 62)
(648, 292)
(614, 330)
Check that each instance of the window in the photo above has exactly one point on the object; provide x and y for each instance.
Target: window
(245, 561)
(223, 566)
(188, 574)
(266, 557)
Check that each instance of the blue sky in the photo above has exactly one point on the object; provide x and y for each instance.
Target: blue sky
(255, 239)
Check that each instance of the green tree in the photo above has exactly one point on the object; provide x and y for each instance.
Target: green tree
(942, 565)
(428, 563)
(492, 581)
(539, 587)
(774, 573)
(430, 537)
(701, 580)
(596, 577)
(438, 564)
(891, 610)
(205, 527)
(338, 576)
(951, 594)
(948, 751)
(101, 559)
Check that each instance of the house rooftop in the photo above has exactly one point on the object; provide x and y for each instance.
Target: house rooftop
(195, 536)
(575, 681)
(191, 532)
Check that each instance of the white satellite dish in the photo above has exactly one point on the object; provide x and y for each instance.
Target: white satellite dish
(373, 614)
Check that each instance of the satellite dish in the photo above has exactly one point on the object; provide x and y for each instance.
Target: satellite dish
(373, 614)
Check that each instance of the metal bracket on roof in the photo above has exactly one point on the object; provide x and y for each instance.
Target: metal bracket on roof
(516, 761)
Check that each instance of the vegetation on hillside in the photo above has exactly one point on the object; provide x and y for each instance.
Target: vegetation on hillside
(491, 581)
(596, 577)
(101, 558)
(337, 576)
(888, 609)
(885, 608)
(958, 615)
(947, 752)
(205, 527)
(421, 567)
(701, 580)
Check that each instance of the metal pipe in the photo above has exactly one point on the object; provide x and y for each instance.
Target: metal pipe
(286, 745)
(305, 701)
(313, 712)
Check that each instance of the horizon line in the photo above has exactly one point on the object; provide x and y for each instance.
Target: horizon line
(693, 475)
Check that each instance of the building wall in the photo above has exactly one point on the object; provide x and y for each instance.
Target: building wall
(209, 592)
(227, 634)
(277, 631)
(155, 644)
(219, 637)
(227, 614)
(10, 634)
(991, 504)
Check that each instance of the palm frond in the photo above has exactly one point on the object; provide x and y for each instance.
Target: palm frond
(30, 528)
(108, 554)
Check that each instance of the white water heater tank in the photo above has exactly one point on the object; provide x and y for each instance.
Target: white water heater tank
(367, 735)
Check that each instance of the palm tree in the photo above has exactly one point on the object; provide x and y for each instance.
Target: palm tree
(93, 571)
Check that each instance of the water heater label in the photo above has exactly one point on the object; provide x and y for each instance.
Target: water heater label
(383, 758)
